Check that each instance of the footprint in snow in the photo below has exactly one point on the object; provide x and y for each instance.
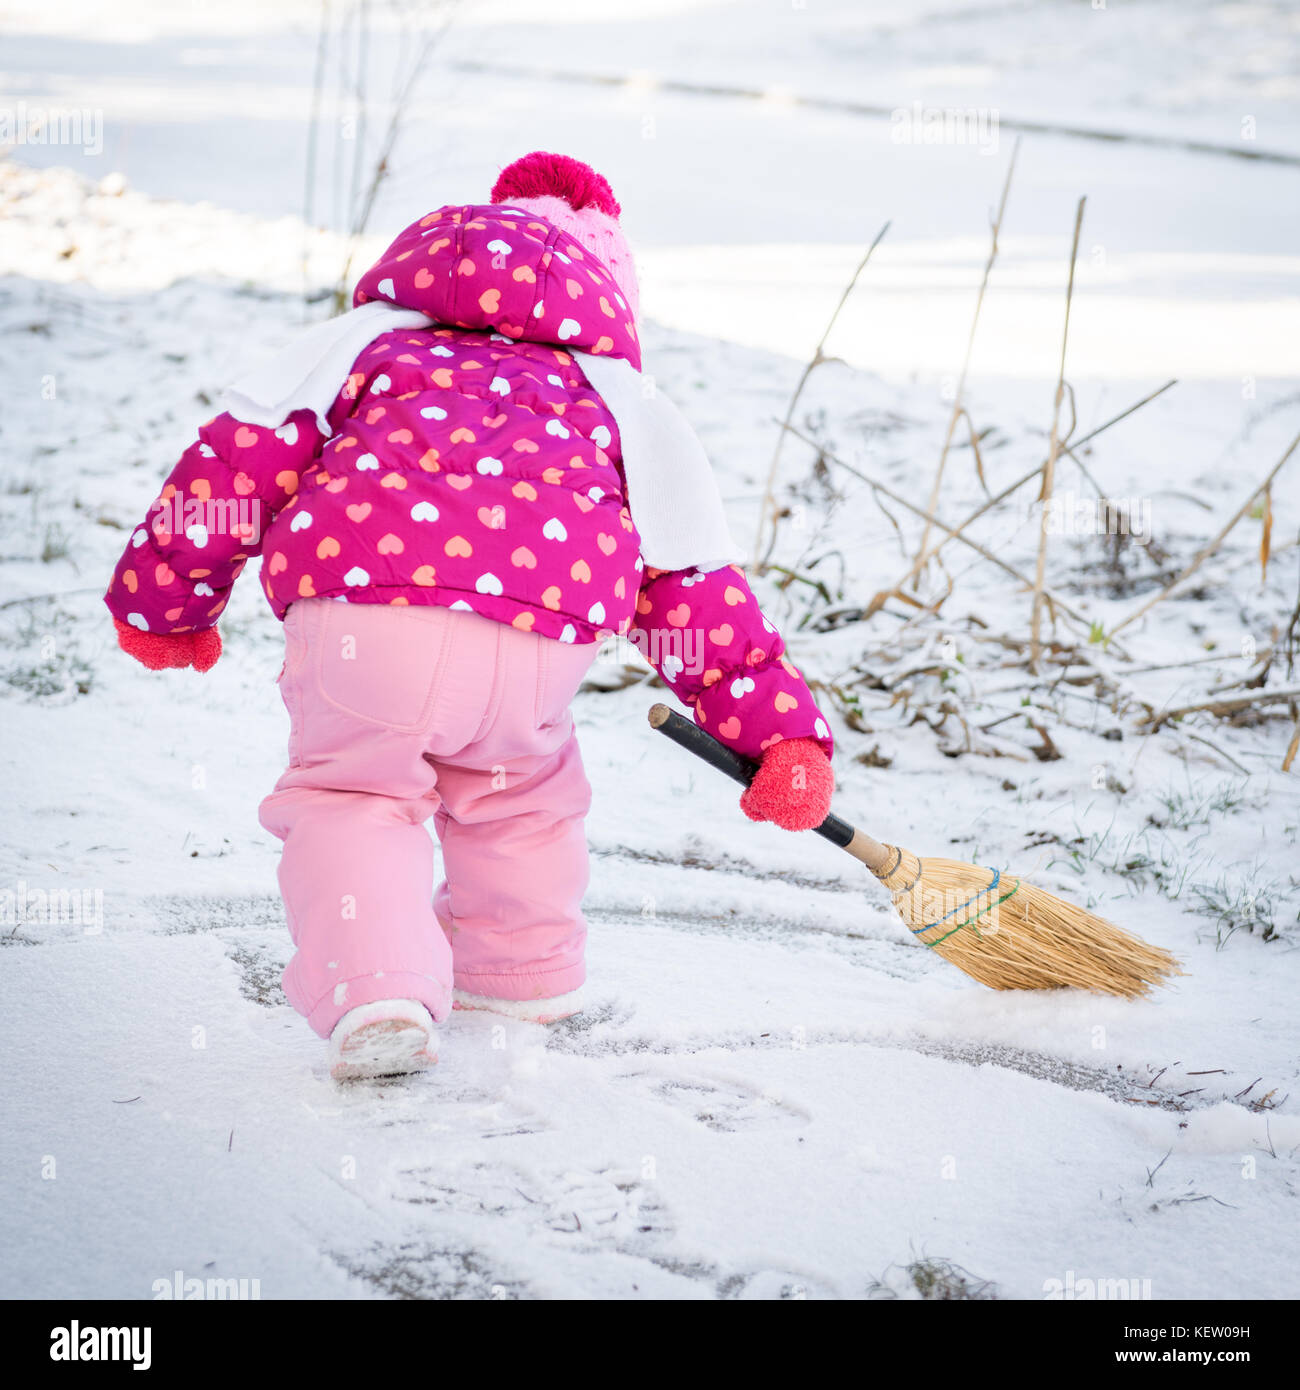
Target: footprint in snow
(721, 1106)
(463, 1115)
(599, 1208)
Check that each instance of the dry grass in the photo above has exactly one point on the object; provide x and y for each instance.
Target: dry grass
(1072, 673)
(933, 1281)
(959, 399)
(1053, 452)
(768, 511)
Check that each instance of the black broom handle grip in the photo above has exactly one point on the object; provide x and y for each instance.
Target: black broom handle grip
(740, 769)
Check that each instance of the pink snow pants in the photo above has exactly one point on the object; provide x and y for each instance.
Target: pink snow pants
(397, 714)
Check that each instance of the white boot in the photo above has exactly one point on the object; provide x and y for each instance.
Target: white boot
(522, 1010)
(386, 1038)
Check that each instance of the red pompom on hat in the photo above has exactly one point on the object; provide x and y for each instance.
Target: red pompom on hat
(539, 174)
(578, 200)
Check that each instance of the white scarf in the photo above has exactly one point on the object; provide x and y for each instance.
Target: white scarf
(672, 494)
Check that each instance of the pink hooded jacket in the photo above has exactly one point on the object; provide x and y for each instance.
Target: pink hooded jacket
(471, 466)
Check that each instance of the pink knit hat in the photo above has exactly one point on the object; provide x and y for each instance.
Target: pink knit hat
(578, 200)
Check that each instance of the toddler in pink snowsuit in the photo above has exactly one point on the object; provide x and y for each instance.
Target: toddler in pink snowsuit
(448, 545)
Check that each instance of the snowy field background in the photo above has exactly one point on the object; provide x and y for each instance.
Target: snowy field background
(773, 1093)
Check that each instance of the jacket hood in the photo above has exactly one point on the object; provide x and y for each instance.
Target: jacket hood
(504, 270)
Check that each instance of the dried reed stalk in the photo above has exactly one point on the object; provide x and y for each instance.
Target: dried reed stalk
(1292, 748)
(1233, 705)
(1049, 468)
(767, 508)
(362, 208)
(958, 406)
(1209, 549)
(955, 534)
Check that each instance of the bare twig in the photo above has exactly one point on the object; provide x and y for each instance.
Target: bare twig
(1179, 665)
(1068, 450)
(1209, 549)
(361, 218)
(959, 398)
(1221, 707)
(1292, 628)
(1049, 468)
(1227, 757)
(942, 525)
(1151, 1172)
(363, 70)
(1006, 492)
(1266, 535)
(975, 449)
(1292, 748)
(313, 131)
(767, 508)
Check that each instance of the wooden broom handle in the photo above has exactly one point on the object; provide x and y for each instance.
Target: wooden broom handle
(691, 737)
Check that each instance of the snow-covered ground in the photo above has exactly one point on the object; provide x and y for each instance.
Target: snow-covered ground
(774, 1093)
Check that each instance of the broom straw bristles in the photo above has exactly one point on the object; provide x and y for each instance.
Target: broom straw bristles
(1007, 934)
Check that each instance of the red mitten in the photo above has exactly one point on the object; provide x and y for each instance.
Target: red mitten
(792, 787)
(160, 651)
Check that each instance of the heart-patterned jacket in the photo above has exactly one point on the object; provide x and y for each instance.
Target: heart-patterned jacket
(472, 466)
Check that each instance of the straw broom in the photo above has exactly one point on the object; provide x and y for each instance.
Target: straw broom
(999, 930)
